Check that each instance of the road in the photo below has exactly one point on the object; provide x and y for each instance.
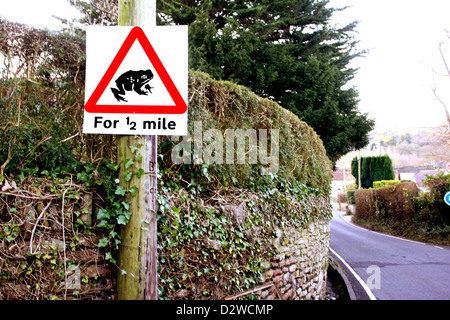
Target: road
(392, 268)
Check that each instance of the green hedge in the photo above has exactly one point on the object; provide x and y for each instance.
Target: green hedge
(385, 183)
(388, 203)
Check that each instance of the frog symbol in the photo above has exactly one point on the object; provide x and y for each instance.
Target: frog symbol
(133, 80)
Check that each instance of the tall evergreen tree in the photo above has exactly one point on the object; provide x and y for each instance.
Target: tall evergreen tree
(285, 50)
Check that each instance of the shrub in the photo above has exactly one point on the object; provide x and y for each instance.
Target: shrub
(341, 197)
(350, 196)
(430, 206)
(396, 202)
(364, 204)
(385, 183)
(389, 203)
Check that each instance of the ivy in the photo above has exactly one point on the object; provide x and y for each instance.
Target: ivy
(202, 250)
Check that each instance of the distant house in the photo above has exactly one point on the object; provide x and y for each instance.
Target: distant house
(341, 179)
(339, 175)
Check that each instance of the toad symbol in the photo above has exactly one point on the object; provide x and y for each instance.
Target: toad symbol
(133, 80)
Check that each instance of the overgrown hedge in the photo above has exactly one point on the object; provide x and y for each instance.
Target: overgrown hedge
(390, 203)
(403, 210)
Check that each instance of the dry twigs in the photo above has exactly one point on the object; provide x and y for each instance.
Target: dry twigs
(41, 244)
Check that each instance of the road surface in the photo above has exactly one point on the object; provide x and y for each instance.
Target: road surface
(392, 268)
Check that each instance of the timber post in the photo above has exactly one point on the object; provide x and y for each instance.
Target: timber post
(137, 277)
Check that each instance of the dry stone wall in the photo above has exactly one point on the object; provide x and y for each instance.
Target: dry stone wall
(298, 271)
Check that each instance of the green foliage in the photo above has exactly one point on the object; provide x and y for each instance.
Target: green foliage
(206, 252)
(385, 183)
(41, 109)
(373, 169)
(47, 217)
(430, 205)
(283, 50)
(401, 210)
(224, 105)
(350, 196)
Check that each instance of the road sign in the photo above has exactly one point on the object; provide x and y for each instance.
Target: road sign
(136, 80)
(447, 198)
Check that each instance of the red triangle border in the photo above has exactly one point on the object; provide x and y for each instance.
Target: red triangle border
(136, 33)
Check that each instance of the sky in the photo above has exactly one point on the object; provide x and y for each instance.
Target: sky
(394, 79)
(38, 13)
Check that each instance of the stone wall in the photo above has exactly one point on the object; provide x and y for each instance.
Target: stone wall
(299, 270)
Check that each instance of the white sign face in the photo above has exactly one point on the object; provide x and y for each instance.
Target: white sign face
(136, 80)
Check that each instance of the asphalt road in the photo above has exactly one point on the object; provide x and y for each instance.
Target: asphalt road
(392, 268)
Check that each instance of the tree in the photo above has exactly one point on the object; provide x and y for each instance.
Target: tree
(373, 169)
(434, 89)
(284, 50)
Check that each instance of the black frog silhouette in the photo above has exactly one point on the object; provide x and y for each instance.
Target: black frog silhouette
(133, 80)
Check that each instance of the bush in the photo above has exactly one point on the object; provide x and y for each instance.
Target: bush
(385, 183)
(396, 202)
(388, 203)
(430, 205)
(350, 196)
(42, 102)
(364, 204)
(341, 197)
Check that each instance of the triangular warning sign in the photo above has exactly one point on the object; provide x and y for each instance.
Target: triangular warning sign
(179, 106)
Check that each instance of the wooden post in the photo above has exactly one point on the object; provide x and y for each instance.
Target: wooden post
(137, 277)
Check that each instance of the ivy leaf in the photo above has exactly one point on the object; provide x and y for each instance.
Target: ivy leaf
(140, 172)
(128, 163)
(121, 191)
(102, 214)
(126, 205)
(133, 190)
(122, 220)
(127, 175)
(109, 257)
(105, 224)
(103, 242)
(133, 149)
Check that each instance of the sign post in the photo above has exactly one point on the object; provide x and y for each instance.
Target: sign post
(136, 87)
(137, 278)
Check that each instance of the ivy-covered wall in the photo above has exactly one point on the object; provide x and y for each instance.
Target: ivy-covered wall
(220, 224)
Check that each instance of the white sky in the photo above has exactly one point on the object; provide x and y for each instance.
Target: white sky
(394, 79)
(37, 13)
